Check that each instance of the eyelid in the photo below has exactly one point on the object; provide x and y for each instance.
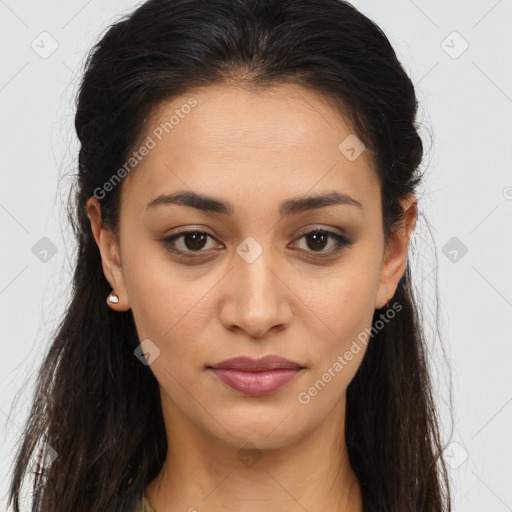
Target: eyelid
(326, 229)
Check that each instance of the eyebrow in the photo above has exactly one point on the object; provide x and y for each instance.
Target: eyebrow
(287, 208)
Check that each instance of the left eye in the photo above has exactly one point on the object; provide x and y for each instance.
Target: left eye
(319, 237)
(194, 241)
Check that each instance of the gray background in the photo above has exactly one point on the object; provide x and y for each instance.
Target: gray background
(466, 115)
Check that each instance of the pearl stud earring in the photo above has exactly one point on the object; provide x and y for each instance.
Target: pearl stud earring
(113, 298)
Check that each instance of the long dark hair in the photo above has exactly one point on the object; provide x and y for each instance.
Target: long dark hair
(95, 405)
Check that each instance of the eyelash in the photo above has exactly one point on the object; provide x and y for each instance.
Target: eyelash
(340, 240)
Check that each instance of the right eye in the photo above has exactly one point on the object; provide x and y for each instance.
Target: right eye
(193, 241)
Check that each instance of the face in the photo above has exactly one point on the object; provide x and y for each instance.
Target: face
(266, 272)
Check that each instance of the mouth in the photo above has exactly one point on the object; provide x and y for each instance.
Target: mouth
(256, 377)
(246, 363)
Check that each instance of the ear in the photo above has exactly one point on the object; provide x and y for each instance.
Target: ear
(395, 257)
(110, 254)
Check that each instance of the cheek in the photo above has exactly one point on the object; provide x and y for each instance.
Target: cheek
(340, 344)
(158, 298)
(345, 303)
(345, 299)
(168, 307)
(167, 311)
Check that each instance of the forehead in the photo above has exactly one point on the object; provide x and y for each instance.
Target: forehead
(237, 143)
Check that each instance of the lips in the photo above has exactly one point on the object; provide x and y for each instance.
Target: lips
(256, 377)
(246, 363)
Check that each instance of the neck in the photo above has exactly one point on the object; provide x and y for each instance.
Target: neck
(201, 473)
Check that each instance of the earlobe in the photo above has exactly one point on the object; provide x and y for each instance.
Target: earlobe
(108, 246)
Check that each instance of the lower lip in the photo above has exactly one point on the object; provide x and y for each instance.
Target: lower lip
(255, 383)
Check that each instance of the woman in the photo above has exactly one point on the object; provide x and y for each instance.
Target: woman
(243, 333)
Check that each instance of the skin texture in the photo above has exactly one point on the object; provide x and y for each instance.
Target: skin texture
(254, 149)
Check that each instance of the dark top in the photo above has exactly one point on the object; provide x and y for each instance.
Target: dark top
(139, 503)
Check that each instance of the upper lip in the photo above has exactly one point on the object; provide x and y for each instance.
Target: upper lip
(270, 362)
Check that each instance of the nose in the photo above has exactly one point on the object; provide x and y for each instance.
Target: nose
(256, 297)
